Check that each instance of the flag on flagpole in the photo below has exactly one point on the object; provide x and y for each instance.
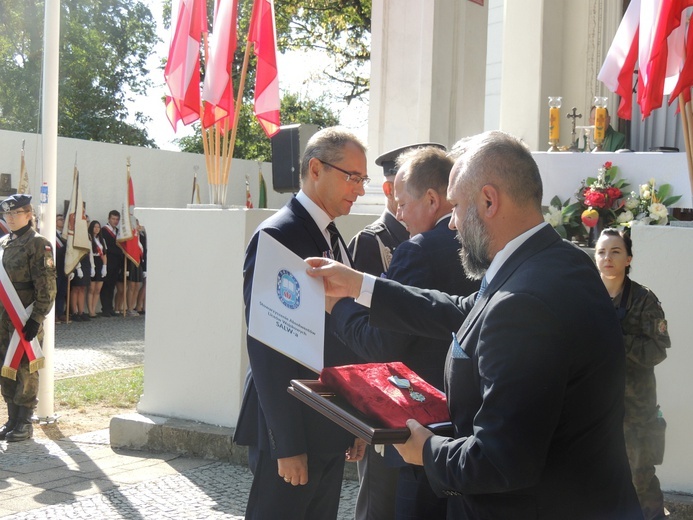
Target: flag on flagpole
(262, 198)
(128, 236)
(23, 176)
(262, 34)
(182, 72)
(76, 229)
(217, 91)
(248, 198)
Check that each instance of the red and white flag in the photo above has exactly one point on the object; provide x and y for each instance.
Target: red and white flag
(217, 91)
(262, 34)
(128, 236)
(651, 35)
(618, 68)
(76, 228)
(182, 72)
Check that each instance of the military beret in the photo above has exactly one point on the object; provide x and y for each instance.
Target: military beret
(16, 201)
(387, 160)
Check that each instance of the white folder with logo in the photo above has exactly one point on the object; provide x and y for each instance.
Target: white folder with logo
(287, 307)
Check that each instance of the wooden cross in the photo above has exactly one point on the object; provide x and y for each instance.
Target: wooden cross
(574, 140)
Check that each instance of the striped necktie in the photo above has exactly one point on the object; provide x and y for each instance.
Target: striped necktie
(482, 289)
(334, 242)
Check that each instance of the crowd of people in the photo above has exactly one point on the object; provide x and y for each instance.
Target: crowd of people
(549, 351)
(103, 278)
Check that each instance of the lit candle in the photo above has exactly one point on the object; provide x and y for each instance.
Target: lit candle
(599, 123)
(554, 123)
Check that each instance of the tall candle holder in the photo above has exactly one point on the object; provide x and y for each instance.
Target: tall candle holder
(599, 121)
(554, 122)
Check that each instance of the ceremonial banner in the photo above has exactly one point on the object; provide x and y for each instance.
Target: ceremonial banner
(128, 237)
(23, 176)
(287, 308)
(263, 35)
(76, 228)
(217, 91)
(182, 72)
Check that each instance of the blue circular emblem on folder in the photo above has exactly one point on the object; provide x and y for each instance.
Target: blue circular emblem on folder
(288, 289)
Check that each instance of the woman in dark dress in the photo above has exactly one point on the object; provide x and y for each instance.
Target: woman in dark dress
(99, 261)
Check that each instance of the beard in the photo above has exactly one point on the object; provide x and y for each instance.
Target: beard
(474, 241)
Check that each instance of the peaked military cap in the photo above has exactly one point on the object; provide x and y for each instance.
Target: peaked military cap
(16, 201)
(387, 160)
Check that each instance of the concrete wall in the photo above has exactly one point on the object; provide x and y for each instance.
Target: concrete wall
(195, 356)
(662, 260)
(162, 179)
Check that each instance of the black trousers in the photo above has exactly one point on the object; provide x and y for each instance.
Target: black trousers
(270, 497)
(114, 272)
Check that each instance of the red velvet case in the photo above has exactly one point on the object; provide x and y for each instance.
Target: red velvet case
(367, 388)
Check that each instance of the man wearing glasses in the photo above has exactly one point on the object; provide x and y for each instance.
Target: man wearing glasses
(296, 455)
(27, 292)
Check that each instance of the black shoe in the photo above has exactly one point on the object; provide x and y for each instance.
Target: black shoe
(76, 317)
(23, 430)
(85, 317)
(114, 313)
(106, 314)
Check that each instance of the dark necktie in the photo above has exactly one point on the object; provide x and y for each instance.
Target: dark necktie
(334, 242)
(482, 289)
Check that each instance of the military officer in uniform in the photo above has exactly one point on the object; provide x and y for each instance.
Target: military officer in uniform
(373, 246)
(27, 284)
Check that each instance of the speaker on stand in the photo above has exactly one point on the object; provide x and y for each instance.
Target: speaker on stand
(288, 146)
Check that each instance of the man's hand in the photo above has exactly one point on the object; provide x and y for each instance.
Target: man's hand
(31, 328)
(294, 470)
(356, 452)
(412, 450)
(339, 279)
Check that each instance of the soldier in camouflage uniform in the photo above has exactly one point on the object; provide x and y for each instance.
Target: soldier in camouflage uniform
(28, 261)
(646, 341)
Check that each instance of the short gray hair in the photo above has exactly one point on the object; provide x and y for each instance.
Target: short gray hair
(498, 157)
(328, 145)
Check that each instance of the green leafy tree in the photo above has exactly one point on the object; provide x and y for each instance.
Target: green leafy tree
(104, 45)
(340, 28)
(251, 141)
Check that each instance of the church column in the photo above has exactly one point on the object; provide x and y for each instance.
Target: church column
(428, 61)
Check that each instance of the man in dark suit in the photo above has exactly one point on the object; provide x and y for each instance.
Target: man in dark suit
(535, 374)
(296, 455)
(428, 260)
(372, 247)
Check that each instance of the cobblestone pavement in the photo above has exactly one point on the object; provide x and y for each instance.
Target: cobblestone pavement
(84, 478)
(99, 344)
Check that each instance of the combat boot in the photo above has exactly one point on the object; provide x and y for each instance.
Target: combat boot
(12, 410)
(23, 430)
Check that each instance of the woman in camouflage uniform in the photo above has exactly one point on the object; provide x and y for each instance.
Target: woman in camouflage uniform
(27, 261)
(646, 339)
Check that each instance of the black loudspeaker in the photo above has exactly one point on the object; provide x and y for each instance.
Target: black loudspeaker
(288, 146)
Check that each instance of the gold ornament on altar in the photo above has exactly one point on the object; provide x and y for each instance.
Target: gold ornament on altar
(554, 122)
(599, 121)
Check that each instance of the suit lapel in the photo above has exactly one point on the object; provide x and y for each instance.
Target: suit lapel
(542, 239)
(311, 227)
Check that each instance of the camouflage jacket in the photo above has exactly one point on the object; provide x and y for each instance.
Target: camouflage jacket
(646, 339)
(28, 260)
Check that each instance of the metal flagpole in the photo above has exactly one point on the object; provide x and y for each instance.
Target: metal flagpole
(49, 131)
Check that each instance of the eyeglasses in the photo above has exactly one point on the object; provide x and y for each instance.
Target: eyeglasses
(14, 213)
(350, 177)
